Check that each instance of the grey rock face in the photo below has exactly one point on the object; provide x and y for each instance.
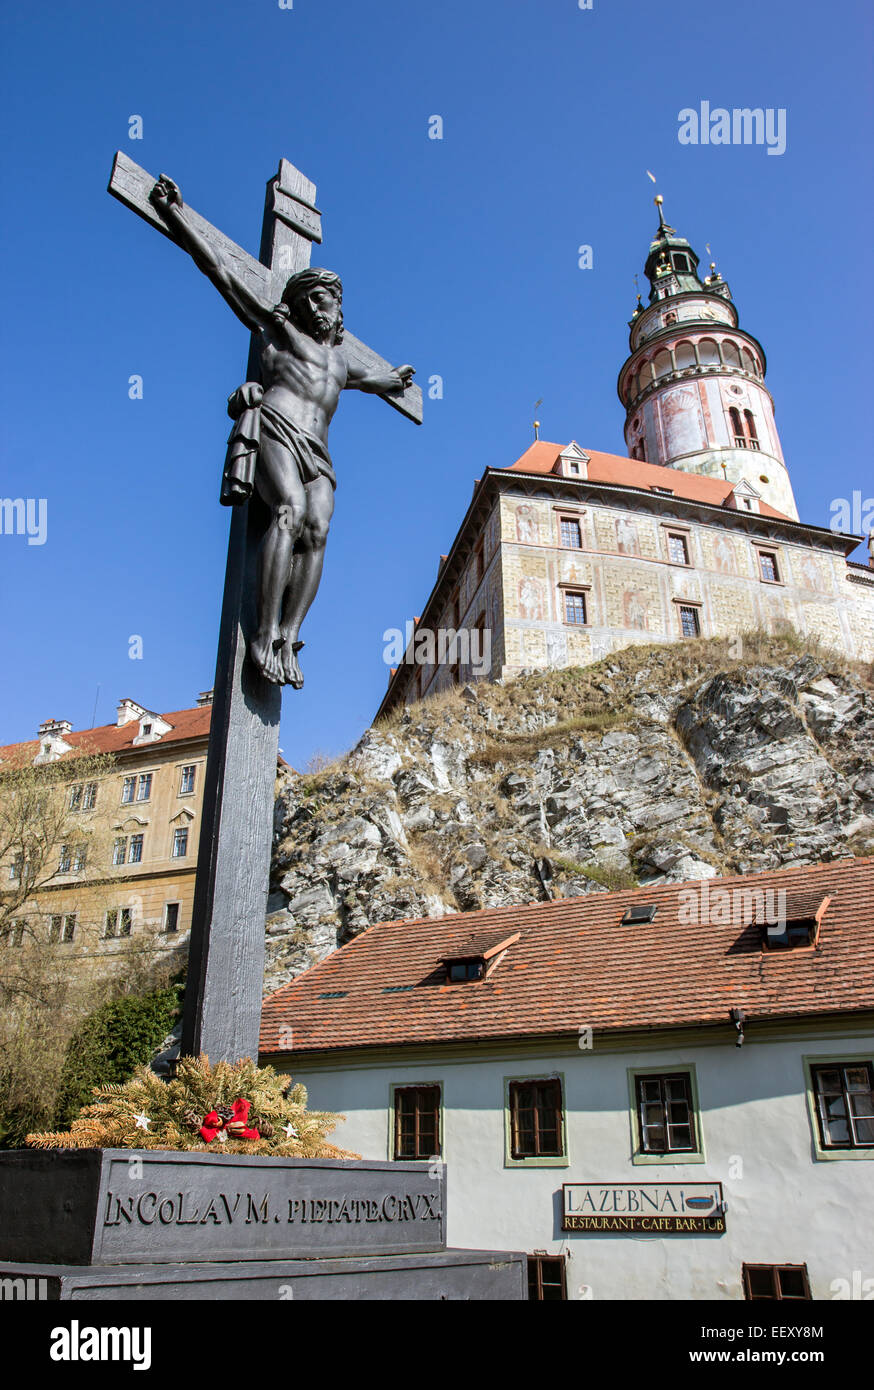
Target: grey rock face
(646, 768)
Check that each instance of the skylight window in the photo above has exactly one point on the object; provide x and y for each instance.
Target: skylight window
(335, 994)
(640, 912)
(396, 989)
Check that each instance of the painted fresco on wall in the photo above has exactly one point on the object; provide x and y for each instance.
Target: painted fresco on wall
(527, 527)
(811, 576)
(634, 605)
(682, 421)
(723, 556)
(530, 599)
(626, 536)
(533, 647)
(556, 648)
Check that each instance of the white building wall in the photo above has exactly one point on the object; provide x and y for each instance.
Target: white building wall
(784, 1205)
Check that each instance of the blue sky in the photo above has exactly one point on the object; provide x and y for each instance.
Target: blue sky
(458, 255)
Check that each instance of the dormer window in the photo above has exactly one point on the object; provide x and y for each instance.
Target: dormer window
(145, 730)
(796, 922)
(573, 461)
(477, 957)
(473, 969)
(800, 932)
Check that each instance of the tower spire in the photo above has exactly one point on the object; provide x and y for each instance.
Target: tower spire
(693, 385)
(663, 226)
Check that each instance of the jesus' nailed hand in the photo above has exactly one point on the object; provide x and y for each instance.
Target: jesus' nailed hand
(280, 442)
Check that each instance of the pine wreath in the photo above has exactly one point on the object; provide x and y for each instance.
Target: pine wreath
(175, 1111)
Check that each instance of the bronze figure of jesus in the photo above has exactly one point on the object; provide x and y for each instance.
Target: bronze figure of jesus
(279, 443)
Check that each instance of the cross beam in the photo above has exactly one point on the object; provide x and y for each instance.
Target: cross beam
(289, 206)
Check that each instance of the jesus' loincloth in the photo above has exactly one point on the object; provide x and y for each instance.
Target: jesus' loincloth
(253, 421)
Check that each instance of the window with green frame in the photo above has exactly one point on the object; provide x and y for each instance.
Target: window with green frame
(665, 1113)
(844, 1096)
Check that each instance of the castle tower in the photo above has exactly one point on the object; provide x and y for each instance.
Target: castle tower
(693, 387)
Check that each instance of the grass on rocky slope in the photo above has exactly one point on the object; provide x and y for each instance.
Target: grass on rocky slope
(557, 703)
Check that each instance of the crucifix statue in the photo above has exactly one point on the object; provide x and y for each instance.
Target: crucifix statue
(279, 480)
(280, 439)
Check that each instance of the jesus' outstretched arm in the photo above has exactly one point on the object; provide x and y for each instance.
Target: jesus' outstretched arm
(379, 384)
(167, 200)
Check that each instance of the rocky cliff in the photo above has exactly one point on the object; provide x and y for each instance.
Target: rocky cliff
(658, 763)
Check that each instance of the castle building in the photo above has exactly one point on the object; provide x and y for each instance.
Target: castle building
(119, 873)
(571, 553)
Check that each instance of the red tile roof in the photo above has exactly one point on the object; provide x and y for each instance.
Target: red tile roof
(576, 966)
(542, 457)
(110, 738)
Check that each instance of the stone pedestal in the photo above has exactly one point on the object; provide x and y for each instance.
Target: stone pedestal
(118, 1224)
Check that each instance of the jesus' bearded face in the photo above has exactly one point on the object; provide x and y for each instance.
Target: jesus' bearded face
(318, 313)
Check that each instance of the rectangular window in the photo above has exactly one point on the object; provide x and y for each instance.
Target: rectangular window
(135, 850)
(127, 790)
(80, 858)
(119, 849)
(119, 921)
(75, 797)
(89, 796)
(171, 917)
(417, 1122)
(479, 562)
(186, 781)
(144, 786)
(18, 933)
(63, 929)
(690, 623)
(546, 1278)
(180, 843)
(536, 1119)
(678, 551)
(775, 1282)
(65, 860)
(16, 868)
(768, 567)
(665, 1113)
(574, 607)
(845, 1105)
(571, 535)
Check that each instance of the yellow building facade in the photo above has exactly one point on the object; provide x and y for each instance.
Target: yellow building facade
(119, 881)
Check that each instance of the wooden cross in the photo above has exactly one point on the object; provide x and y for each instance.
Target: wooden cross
(222, 1012)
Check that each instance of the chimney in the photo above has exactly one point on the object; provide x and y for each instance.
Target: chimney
(55, 726)
(205, 697)
(128, 710)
